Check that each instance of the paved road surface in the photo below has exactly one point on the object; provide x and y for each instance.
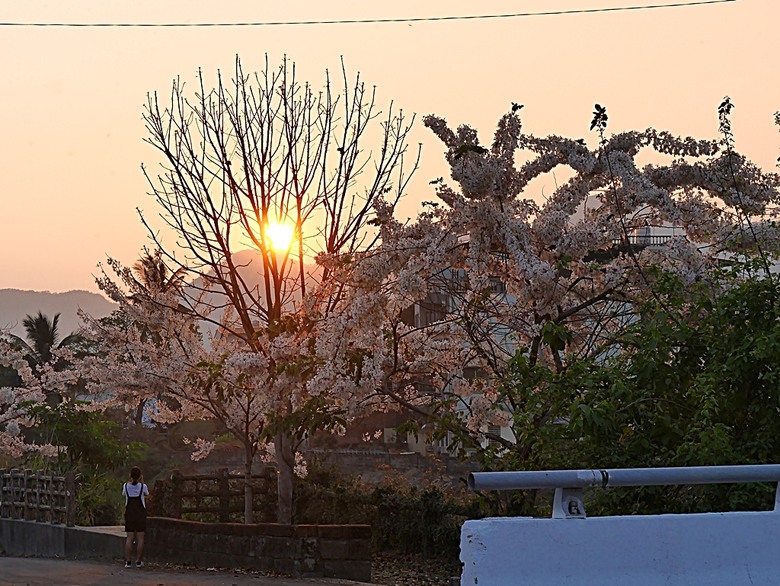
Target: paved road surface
(49, 572)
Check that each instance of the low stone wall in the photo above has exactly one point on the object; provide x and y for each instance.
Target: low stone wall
(333, 551)
(29, 538)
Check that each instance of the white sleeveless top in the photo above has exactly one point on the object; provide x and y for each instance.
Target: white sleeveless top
(134, 490)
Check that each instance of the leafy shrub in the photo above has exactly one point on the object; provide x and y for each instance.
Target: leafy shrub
(89, 447)
(404, 519)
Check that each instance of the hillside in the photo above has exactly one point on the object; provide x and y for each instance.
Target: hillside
(15, 304)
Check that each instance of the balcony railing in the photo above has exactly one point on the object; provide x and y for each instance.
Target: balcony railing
(642, 240)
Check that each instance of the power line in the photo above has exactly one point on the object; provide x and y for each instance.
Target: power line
(356, 21)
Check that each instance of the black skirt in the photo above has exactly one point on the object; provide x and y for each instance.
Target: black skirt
(135, 515)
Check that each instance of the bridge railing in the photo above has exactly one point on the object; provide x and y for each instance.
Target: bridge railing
(214, 497)
(37, 496)
(568, 484)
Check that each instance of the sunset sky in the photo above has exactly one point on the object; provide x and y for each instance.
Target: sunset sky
(71, 103)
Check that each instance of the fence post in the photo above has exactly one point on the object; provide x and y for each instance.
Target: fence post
(37, 496)
(6, 496)
(27, 494)
(176, 482)
(224, 495)
(70, 499)
(17, 490)
(266, 476)
(8, 493)
(52, 500)
(19, 493)
(12, 493)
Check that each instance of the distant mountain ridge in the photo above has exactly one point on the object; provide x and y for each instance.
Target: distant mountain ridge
(15, 304)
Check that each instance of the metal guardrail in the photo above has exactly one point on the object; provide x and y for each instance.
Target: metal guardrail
(568, 484)
(606, 478)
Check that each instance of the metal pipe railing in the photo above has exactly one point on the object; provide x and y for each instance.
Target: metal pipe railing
(606, 478)
(568, 484)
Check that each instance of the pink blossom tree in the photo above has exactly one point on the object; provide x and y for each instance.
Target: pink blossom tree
(36, 384)
(254, 157)
(157, 357)
(514, 272)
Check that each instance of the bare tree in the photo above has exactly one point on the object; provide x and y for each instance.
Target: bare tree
(239, 160)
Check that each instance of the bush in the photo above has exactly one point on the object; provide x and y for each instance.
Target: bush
(404, 519)
(89, 446)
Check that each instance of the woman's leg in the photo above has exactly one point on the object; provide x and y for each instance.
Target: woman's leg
(129, 545)
(139, 546)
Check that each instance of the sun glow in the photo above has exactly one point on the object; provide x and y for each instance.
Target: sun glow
(280, 236)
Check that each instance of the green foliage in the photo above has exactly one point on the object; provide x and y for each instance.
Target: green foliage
(90, 447)
(416, 521)
(600, 118)
(404, 519)
(694, 381)
(698, 387)
(99, 499)
(43, 335)
(556, 336)
(469, 148)
(91, 442)
(315, 414)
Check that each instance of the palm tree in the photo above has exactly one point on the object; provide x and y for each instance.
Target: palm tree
(43, 334)
(154, 276)
(43, 337)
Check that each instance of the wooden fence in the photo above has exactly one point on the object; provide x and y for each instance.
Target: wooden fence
(214, 497)
(37, 496)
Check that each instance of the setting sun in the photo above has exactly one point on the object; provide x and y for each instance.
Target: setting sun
(280, 236)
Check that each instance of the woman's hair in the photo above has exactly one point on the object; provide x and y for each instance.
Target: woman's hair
(135, 474)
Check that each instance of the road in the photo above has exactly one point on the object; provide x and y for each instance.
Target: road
(50, 572)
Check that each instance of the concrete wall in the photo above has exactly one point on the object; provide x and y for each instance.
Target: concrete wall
(728, 549)
(338, 551)
(28, 538)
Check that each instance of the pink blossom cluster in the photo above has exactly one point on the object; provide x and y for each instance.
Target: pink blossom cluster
(14, 402)
(510, 260)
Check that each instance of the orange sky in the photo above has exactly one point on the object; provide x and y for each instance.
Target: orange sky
(71, 100)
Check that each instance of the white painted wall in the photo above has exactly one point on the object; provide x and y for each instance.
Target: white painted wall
(712, 549)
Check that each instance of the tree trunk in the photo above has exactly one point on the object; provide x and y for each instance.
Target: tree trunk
(248, 486)
(285, 460)
(138, 416)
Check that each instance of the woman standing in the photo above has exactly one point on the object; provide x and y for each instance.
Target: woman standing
(135, 492)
